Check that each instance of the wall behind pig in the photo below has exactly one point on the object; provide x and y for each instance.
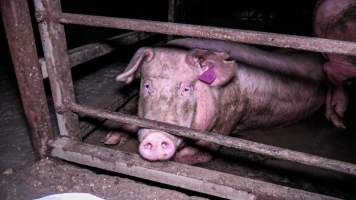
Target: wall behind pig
(290, 17)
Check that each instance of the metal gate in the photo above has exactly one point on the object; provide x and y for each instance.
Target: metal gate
(56, 65)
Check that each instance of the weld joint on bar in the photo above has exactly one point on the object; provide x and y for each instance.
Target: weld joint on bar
(42, 13)
(43, 16)
(66, 107)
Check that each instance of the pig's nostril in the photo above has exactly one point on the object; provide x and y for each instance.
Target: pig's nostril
(147, 146)
(157, 146)
(164, 145)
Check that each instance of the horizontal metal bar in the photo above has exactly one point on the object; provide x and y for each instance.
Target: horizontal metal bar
(267, 150)
(244, 36)
(184, 176)
(91, 51)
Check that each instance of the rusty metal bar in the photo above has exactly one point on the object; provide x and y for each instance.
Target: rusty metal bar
(55, 51)
(91, 51)
(250, 37)
(19, 32)
(173, 13)
(184, 176)
(245, 145)
(173, 10)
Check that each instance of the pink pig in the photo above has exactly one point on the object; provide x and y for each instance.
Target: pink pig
(209, 90)
(336, 19)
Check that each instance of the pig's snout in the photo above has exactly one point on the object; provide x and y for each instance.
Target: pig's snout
(157, 146)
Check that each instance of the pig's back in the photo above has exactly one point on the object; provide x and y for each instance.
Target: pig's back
(273, 99)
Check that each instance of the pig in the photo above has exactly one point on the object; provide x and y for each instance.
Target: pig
(212, 85)
(336, 19)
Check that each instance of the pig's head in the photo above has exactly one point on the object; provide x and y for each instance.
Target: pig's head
(177, 87)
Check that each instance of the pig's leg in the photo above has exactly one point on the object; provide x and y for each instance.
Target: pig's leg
(202, 152)
(338, 74)
(336, 104)
(115, 137)
(336, 19)
(338, 70)
(191, 156)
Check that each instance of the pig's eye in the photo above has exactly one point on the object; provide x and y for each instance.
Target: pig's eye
(185, 90)
(147, 87)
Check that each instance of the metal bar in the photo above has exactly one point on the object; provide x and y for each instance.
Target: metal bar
(267, 150)
(19, 32)
(91, 51)
(173, 6)
(251, 37)
(184, 176)
(173, 13)
(55, 51)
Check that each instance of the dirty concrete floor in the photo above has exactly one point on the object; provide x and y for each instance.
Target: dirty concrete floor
(15, 146)
(49, 176)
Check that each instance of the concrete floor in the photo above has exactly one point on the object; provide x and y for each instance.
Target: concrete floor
(15, 146)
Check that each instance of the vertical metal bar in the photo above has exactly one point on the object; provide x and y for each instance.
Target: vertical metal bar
(19, 32)
(57, 60)
(173, 13)
(173, 10)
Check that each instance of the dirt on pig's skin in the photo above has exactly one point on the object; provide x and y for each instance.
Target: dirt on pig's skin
(49, 177)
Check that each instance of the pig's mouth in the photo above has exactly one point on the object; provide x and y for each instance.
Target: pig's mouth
(157, 145)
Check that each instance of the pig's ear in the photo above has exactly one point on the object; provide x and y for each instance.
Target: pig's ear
(144, 54)
(196, 56)
(215, 68)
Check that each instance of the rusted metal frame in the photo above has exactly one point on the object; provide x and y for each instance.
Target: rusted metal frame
(183, 176)
(244, 36)
(245, 145)
(19, 32)
(91, 51)
(55, 51)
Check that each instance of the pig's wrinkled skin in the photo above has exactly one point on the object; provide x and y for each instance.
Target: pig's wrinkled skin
(336, 19)
(255, 89)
